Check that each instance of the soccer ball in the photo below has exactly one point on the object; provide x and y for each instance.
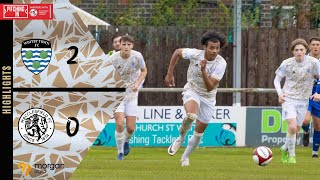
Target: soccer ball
(262, 155)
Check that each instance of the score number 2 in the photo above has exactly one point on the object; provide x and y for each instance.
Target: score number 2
(76, 50)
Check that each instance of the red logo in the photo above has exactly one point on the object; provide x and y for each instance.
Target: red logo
(26, 11)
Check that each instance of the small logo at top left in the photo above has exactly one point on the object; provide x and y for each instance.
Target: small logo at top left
(26, 11)
(36, 54)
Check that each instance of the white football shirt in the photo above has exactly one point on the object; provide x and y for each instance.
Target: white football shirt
(129, 70)
(215, 69)
(299, 76)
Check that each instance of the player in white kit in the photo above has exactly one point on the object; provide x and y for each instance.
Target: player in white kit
(132, 69)
(205, 71)
(294, 96)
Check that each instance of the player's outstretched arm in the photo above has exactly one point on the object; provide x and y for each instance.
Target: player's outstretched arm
(169, 80)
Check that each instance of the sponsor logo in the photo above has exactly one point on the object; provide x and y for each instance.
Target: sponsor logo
(42, 168)
(26, 11)
(25, 168)
(33, 12)
(227, 135)
(38, 168)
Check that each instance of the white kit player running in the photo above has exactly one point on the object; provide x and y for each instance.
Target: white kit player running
(298, 72)
(132, 69)
(205, 71)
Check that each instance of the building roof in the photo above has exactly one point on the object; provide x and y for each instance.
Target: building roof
(90, 19)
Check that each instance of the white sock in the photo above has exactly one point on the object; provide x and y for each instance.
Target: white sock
(127, 136)
(120, 141)
(192, 144)
(185, 127)
(285, 146)
(291, 138)
(315, 152)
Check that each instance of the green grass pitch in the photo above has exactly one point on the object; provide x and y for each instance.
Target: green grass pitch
(205, 163)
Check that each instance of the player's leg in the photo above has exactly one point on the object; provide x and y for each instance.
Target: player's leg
(291, 139)
(131, 111)
(193, 142)
(306, 128)
(284, 150)
(316, 134)
(128, 132)
(289, 114)
(205, 115)
(119, 133)
(294, 127)
(191, 106)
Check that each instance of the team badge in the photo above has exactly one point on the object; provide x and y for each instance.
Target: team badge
(36, 54)
(36, 126)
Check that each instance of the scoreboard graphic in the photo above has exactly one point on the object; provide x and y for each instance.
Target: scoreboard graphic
(65, 91)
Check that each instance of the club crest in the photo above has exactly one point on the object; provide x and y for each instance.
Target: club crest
(36, 126)
(36, 54)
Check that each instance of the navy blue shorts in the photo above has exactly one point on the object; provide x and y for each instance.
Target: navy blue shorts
(314, 108)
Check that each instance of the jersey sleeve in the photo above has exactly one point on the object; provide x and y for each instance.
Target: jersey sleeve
(111, 58)
(317, 72)
(219, 71)
(188, 53)
(142, 64)
(281, 71)
(317, 69)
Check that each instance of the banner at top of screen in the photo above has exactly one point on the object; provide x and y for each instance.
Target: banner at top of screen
(26, 11)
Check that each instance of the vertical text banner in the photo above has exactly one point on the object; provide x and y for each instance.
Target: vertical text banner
(159, 126)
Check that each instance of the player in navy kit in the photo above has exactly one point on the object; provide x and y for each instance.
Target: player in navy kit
(314, 105)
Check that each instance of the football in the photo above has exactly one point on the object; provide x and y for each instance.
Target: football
(262, 155)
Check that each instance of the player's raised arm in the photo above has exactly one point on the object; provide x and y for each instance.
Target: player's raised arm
(169, 79)
(211, 81)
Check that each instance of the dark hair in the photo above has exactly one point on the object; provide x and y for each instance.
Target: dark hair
(298, 41)
(115, 36)
(314, 38)
(213, 36)
(127, 38)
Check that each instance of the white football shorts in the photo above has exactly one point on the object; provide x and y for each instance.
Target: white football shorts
(128, 107)
(205, 105)
(294, 109)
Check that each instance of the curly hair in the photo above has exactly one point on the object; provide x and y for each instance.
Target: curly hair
(214, 36)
